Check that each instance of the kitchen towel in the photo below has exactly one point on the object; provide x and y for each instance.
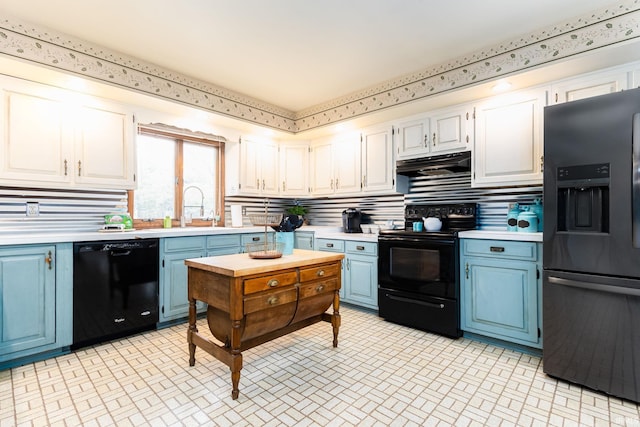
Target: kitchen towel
(236, 215)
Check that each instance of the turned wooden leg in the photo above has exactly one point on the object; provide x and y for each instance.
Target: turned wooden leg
(236, 358)
(192, 330)
(335, 319)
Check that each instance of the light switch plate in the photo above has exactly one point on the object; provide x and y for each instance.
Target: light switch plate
(33, 209)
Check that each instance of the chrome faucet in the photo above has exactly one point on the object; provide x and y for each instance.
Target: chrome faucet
(182, 218)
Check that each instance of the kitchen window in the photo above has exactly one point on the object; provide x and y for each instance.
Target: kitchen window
(180, 175)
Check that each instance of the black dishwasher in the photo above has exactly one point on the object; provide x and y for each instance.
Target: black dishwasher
(115, 289)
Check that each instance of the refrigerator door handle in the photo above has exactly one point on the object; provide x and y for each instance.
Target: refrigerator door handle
(635, 176)
(595, 286)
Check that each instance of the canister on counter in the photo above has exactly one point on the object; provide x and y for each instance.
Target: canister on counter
(512, 218)
(527, 222)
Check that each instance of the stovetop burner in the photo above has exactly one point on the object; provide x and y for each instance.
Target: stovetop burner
(455, 217)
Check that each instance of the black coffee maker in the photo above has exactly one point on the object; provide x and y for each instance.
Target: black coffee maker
(351, 220)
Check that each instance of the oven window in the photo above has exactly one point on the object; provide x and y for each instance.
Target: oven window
(415, 264)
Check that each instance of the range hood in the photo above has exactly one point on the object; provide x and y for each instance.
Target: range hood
(435, 165)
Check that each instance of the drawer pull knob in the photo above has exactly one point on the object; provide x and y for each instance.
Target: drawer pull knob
(360, 248)
(273, 283)
(496, 249)
(319, 288)
(272, 300)
(255, 239)
(320, 273)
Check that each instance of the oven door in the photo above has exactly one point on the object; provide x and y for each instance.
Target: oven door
(424, 266)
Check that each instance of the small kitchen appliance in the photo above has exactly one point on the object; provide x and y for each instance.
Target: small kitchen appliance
(351, 218)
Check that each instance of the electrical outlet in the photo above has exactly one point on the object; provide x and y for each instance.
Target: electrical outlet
(33, 209)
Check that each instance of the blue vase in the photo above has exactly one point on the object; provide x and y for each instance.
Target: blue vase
(285, 237)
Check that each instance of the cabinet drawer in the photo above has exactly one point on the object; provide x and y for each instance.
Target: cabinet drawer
(330, 245)
(225, 240)
(268, 300)
(364, 248)
(313, 289)
(319, 272)
(254, 238)
(270, 282)
(500, 249)
(172, 244)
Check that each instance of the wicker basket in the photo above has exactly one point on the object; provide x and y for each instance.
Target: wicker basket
(265, 219)
(265, 250)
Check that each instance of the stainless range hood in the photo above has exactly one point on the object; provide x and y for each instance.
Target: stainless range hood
(435, 165)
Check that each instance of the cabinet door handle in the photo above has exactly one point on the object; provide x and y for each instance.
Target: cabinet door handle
(496, 249)
(273, 283)
(272, 300)
(255, 239)
(79, 168)
(541, 163)
(426, 140)
(284, 187)
(329, 245)
(320, 273)
(263, 184)
(360, 248)
(337, 186)
(65, 167)
(466, 270)
(319, 288)
(332, 183)
(49, 260)
(434, 139)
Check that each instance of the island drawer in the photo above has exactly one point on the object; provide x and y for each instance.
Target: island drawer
(313, 289)
(319, 272)
(271, 300)
(271, 281)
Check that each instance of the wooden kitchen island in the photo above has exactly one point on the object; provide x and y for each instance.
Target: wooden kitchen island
(252, 301)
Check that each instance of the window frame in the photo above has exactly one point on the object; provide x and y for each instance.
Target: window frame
(180, 136)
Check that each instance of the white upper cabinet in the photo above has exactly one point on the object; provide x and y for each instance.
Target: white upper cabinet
(53, 138)
(412, 138)
(453, 129)
(335, 166)
(294, 169)
(258, 168)
(441, 131)
(104, 147)
(508, 149)
(589, 85)
(377, 159)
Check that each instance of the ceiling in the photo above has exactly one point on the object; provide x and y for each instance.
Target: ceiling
(296, 54)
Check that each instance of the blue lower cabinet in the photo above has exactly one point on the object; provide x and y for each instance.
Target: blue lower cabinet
(174, 303)
(359, 270)
(501, 290)
(303, 240)
(35, 301)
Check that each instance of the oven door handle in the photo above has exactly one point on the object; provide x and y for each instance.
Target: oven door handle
(413, 301)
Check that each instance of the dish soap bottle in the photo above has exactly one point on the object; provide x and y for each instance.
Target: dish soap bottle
(166, 223)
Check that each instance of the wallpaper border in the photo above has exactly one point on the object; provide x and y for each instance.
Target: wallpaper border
(608, 26)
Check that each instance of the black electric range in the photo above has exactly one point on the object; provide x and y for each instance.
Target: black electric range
(418, 271)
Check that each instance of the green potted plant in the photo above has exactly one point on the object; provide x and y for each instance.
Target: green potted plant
(297, 209)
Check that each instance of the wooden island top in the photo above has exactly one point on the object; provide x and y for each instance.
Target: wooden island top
(251, 301)
(239, 265)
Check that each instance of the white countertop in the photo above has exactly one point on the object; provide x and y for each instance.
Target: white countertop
(501, 235)
(84, 236)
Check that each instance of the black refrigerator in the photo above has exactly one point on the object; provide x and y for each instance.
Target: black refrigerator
(591, 279)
